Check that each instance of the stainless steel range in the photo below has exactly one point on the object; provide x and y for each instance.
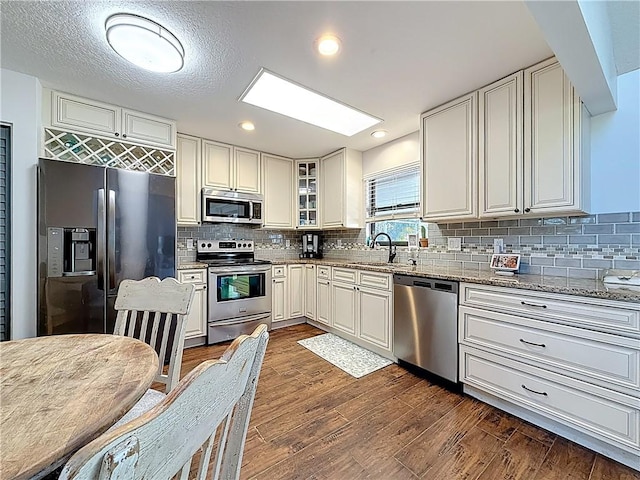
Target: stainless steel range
(239, 288)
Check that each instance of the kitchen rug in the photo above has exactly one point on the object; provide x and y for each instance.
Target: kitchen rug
(347, 356)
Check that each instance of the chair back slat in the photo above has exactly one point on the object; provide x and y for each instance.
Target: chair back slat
(169, 302)
(171, 433)
(205, 457)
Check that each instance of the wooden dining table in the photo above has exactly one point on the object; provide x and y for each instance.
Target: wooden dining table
(58, 393)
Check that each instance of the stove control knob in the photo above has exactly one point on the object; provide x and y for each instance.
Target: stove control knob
(244, 244)
(249, 245)
(209, 245)
(203, 245)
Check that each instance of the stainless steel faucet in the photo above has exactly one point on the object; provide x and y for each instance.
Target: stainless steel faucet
(392, 249)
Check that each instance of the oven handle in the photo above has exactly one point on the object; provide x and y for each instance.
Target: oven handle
(239, 270)
(237, 320)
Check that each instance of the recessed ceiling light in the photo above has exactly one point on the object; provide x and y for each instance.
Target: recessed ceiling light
(280, 95)
(379, 134)
(328, 45)
(144, 43)
(247, 126)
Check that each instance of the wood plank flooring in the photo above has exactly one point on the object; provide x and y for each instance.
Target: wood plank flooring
(311, 420)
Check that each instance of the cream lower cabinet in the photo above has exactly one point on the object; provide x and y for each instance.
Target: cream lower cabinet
(295, 279)
(344, 305)
(323, 295)
(310, 291)
(197, 318)
(188, 160)
(568, 363)
(279, 293)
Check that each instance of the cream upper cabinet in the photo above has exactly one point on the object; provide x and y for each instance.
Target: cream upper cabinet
(188, 161)
(500, 151)
(556, 143)
(278, 190)
(310, 291)
(341, 190)
(307, 205)
(449, 159)
(247, 170)
(217, 165)
(81, 114)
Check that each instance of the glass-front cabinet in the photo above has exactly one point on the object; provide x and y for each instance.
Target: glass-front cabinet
(307, 201)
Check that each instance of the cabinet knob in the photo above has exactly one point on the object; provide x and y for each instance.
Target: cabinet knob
(117, 134)
(517, 210)
(527, 210)
(124, 135)
(204, 287)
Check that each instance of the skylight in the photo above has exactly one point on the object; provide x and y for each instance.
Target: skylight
(280, 95)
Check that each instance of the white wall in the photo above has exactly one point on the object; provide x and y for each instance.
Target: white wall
(615, 152)
(20, 106)
(392, 154)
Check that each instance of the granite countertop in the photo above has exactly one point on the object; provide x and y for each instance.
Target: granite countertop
(565, 285)
(569, 286)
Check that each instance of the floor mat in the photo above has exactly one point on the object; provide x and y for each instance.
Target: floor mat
(347, 356)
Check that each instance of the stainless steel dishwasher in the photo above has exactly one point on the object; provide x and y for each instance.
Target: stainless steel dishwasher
(425, 324)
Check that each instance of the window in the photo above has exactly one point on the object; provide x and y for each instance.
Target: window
(393, 204)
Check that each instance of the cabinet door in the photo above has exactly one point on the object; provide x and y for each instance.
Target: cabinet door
(278, 191)
(279, 299)
(310, 290)
(344, 307)
(79, 113)
(323, 302)
(217, 165)
(247, 170)
(197, 319)
(295, 278)
(548, 139)
(144, 128)
(449, 156)
(306, 193)
(374, 317)
(500, 147)
(188, 180)
(332, 185)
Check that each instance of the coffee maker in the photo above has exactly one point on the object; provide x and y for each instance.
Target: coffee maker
(311, 245)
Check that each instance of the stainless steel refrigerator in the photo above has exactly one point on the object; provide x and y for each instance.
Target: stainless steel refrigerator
(96, 227)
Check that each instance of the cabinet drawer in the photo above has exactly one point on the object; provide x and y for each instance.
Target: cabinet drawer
(573, 403)
(192, 276)
(324, 272)
(593, 356)
(345, 275)
(279, 271)
(604, 315)
(376, 280)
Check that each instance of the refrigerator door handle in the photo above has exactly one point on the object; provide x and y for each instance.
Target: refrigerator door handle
(111, 239)
(101, 234)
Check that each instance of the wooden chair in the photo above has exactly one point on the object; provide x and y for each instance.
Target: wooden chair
(154, 311)
(208, 411)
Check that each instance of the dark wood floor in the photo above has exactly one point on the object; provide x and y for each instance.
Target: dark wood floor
(311, 420)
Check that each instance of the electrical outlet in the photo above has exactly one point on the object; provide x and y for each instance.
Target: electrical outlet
(190, 245)
(287, 243)
(498, 245)
(339, 242)
(454, 244)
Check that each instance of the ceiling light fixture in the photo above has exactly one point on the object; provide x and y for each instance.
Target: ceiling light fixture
(271, 92)
(144, 43)
(328, 45)
(379, 133)
(247, 126)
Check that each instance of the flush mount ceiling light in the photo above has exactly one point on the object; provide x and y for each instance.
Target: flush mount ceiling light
(247, 126)
(144, 43)
(379, 134)
(328, 45)
(280, 95)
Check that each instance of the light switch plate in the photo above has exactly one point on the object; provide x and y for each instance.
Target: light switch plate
(454, 244)
(190, 245)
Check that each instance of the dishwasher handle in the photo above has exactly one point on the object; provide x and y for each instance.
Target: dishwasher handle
(430, 283)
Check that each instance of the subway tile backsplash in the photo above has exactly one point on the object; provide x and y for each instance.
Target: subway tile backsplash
(580, 247)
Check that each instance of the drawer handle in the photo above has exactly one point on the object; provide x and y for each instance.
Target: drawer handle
(533, 391)
(534, 344)
(533, 305)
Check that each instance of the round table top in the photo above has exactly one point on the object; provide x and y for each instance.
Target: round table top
(58, 393)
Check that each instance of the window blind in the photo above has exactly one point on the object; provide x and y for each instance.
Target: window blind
(393, 194)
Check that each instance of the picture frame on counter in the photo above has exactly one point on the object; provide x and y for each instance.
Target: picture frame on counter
(505, 263)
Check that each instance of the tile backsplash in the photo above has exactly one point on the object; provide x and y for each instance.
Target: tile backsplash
(580, 246)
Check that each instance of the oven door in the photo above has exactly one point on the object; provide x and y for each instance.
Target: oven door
(228, 210)
(239, 291)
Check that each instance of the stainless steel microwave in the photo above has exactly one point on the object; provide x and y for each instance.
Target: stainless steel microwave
(221, 206)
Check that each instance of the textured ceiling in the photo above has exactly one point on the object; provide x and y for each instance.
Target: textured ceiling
(624, 17)
(398, 60)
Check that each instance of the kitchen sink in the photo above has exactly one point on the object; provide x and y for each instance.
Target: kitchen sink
(370, 264)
